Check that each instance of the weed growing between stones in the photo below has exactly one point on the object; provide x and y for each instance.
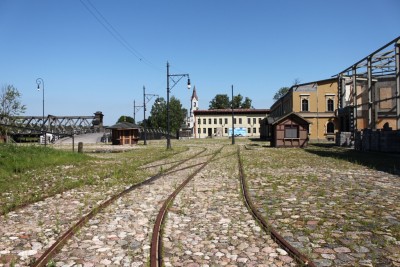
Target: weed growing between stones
(51, 263)
(336, 199)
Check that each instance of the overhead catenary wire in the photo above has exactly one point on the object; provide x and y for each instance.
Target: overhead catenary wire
(114, 32)
(100, 18)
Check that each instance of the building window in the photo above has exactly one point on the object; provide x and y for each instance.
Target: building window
(209, 121)
(304, 104)
(254, 130)
(226, 121)
(248, 130)
(330, 105)
(198, 121)
(240, 120)
(215, 121)
(291, 131)
(220, 121)
(204, 130)
(226, 130)
(254, 121)
(234, 120)
(215, 130)
(248, 120)
(194, 104)
(330, 127)
(199, 131)
(204, 121)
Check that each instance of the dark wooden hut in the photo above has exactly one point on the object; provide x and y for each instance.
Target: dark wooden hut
(124, 133)
(290, 130)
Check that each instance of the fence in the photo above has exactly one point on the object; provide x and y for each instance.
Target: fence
(378, 140)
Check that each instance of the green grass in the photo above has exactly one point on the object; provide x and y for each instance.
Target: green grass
(32, 173)
(16, 159)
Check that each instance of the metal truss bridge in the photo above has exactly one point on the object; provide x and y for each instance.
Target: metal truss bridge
(67, 125)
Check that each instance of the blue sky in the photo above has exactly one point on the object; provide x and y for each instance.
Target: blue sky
(258, 46)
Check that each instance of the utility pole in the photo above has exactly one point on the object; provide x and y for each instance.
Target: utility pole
(178, 77)
(233, 121)
(144, 115)
(168, 130)
(134, 112)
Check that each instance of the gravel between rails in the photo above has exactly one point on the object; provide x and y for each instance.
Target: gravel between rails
(27, 232)
(120, 234)
(209, 225)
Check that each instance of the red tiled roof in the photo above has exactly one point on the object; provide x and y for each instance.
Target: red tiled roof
(229, 111)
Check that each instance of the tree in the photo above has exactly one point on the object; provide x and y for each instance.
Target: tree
(281, 92)
(296, 81)
(223, 102)
(10, 104)
(126, 118)
(246, 103)
(220, 102)
(184, 112)
(176, 115)
(238, 101)
(158, 114)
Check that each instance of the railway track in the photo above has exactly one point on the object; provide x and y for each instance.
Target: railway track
(300, 258)
(157, 247)
(156, 240)
(52, 251)
(129, 217)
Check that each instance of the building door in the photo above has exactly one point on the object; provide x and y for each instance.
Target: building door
(209, 131)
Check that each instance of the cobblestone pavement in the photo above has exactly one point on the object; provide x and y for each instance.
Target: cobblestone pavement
(27, 232)
(209, 225)
(338, 213)
(120, 235)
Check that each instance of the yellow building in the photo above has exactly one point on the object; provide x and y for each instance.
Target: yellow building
(218, 122)
(316, 102)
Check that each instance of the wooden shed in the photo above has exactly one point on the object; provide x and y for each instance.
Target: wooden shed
(124, 133)
(290, 130)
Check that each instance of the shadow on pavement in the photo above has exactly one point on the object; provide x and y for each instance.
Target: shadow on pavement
(386, 162)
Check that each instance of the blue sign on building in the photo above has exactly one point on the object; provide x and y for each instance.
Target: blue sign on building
(241, 131)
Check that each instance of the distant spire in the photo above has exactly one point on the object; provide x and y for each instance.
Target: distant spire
(194, 95)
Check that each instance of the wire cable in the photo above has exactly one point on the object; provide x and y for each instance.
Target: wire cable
(114, 32)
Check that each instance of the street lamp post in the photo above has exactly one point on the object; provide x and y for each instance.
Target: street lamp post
(171, 76)
(233, 121)
(149, 97)
(40, 81)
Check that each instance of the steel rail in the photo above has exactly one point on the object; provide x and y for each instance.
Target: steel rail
(156, 240)
(300, 258)
(62, 240)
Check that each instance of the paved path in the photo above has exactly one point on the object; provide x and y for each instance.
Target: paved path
(339, 213)
(220, 231)
(120, 235)
(27, 232)
(209, 225)
(90, 138)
